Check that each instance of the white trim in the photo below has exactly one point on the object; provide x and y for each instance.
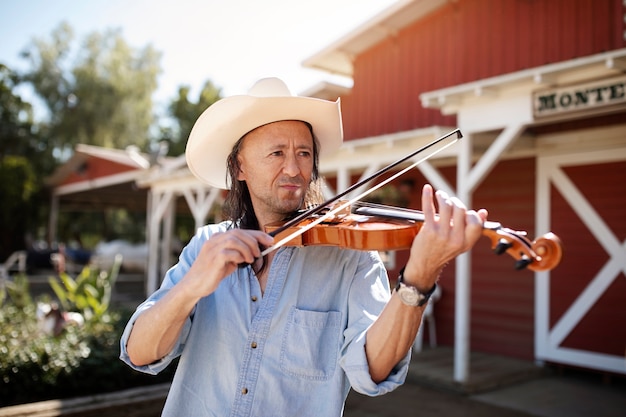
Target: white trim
(101, 182)
(200, 204)
(490, 158)
(565, 72)
(593, 360)
(355, 155)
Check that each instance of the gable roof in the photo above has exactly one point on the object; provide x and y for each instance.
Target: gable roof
(130, 158)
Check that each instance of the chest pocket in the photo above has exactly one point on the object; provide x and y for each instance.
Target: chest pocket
(310, 344)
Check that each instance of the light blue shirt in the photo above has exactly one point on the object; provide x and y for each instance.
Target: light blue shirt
(294, 351)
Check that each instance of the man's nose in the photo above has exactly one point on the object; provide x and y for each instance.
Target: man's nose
(291, 166)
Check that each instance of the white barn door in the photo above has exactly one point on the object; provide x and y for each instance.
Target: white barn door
(561, 320)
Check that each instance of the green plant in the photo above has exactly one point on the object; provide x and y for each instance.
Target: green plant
(90, 293)
(80, 360)
(31, 361)
(17, 290)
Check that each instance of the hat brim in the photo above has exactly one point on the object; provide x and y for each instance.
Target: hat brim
(225, 122)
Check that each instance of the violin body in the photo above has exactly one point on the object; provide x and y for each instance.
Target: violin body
(355, 232)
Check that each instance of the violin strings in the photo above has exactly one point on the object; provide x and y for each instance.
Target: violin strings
(335, 210)
(383, 206)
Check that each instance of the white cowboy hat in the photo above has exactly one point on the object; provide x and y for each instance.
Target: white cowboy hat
(226, 121)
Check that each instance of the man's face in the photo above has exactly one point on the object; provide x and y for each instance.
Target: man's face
(276, 162)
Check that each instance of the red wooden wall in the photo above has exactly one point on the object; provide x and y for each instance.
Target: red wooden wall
(468, 40)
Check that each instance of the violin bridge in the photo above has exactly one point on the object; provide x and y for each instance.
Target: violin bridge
(341, 214)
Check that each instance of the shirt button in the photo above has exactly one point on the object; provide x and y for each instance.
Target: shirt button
(254, 298)
(253, 345)
(244, 391)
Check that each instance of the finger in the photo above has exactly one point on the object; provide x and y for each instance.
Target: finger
(474, 228)
(264, 239)
(233, 258)
(446, 208)
(458, 214)
(254, 240)
(483, 214)
(428, 204)
(238, 246)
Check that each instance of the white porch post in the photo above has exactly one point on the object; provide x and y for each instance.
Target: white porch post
(166, 241)
(463, 273)
(158, 206)
(153, 239)
(343, 180)
(468, 178)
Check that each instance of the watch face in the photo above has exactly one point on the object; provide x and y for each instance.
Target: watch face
(409, 295)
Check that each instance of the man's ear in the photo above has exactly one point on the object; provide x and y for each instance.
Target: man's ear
(240, 173)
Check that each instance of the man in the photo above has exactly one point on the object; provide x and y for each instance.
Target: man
(286, 334)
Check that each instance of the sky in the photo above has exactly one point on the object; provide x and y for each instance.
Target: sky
(230, 42)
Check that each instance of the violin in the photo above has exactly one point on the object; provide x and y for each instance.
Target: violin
(384, 228)
(358, 226)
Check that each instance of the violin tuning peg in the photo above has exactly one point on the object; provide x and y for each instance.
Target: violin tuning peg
(502, 246)
(523, 262)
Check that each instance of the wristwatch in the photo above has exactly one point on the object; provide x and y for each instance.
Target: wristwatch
(410, 295)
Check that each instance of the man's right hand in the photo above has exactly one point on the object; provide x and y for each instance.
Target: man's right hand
(221, 255)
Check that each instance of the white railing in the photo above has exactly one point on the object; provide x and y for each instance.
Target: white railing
(17, 258)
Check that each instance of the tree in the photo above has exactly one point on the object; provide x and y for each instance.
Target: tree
(101, 95)
(18, 131)
(24, 159)
(185, 113)
(18, 188)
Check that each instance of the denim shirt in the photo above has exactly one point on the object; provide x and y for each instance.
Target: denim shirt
(294, 351)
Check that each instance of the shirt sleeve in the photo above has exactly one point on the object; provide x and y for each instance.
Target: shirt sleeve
(369, 293)
(172, 277)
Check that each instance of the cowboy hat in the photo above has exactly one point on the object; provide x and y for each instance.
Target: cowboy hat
(226, 121)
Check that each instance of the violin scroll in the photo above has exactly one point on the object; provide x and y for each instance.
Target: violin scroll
(550, 249)
(542, 254)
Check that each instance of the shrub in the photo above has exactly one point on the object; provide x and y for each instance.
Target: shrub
(80, 360)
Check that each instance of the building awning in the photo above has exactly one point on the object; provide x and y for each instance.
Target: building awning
(603, 65)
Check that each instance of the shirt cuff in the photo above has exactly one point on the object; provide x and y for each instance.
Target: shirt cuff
(354, 362)
(158, 366)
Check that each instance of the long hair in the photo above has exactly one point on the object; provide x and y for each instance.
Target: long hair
(238, 204)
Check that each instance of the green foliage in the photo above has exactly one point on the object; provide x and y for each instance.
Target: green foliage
(82, 360)
(88, 294)
(185, 112)
(31, 362)
(25, 159)
(18, 189)
(19, 183)
(17, 290)
(17, 130)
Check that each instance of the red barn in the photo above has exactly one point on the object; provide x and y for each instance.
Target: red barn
(538, 88)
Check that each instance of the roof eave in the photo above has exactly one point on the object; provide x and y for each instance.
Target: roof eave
(339, 56)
